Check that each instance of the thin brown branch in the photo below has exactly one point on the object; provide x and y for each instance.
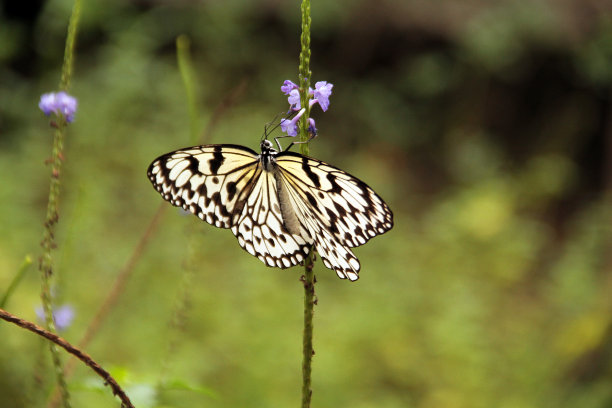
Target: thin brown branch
(84, 357)
(120, 281)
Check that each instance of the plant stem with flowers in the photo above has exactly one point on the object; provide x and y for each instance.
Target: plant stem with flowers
(302, 98)
(320, 95)
(63, 106)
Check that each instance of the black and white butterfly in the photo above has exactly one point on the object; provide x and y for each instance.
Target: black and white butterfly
(279, 204)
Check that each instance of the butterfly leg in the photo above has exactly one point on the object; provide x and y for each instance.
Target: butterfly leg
(310, 137)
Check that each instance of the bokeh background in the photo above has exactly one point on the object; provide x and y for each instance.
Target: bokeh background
(486, 126)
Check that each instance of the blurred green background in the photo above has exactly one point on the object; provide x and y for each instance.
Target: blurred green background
(486, 126)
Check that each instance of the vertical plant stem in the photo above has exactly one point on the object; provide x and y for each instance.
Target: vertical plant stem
(304, 75)
(307, 349)
(309, 278)
(185, 65)
(13, 285)
(48, 241)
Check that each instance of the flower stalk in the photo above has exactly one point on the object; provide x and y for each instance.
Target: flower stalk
(63, 106)
(309, 278)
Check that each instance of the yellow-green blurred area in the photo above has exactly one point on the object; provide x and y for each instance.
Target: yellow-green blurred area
(485, 125)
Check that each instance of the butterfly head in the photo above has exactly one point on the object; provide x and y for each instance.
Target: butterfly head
(267, 147)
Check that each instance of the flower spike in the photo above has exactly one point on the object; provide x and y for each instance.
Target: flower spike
(320, 95)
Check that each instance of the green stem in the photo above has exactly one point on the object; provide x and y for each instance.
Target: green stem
(307, 349)
(309, 278)
(185, 65)
(46, 260)
(13, 285)
(48, 241)
(304, 75)
(69, 49)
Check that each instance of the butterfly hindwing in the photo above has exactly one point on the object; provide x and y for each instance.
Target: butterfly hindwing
(261, 231)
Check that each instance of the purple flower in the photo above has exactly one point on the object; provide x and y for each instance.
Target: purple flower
(289, 127)
(62, 316)
(288, 86)
(294, 99)
(311, 127)
(59, 103)
(322, 93)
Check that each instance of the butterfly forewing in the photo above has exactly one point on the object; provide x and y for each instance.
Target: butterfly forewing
(353, 212)
(209, 181)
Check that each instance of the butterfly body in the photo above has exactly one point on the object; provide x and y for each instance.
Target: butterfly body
(279, 204)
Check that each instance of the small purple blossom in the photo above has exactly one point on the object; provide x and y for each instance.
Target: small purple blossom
(311, 127)
(289, 126)
(288, 86)
(322, 92)
(294, 99)
(59, 103)
(62, 316)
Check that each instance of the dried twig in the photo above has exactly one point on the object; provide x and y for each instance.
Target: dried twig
(84, 357)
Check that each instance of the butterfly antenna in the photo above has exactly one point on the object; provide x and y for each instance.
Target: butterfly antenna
(272, 124)
(276, 125)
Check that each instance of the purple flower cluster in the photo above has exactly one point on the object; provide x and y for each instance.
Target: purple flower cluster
(319, 95)
(59, 103)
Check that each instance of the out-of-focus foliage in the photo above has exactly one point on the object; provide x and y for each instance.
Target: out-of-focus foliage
(486, 125)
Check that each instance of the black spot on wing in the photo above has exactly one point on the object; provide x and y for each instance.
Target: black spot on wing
(312, 200)
(194, 164)
(216, 199)
(340, 209)
(204, 193)
(311, 175)
(231, 190)
(216, 161)
(332, 180)
(333, 220)
(331, 215)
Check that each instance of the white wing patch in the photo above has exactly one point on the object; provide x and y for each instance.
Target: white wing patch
(277, 211)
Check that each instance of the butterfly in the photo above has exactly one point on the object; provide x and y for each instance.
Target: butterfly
(279, 204)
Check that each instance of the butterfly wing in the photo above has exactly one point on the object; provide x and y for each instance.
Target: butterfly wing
(336, 208)
(261, 230)
(209, 181)
(225, 186)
